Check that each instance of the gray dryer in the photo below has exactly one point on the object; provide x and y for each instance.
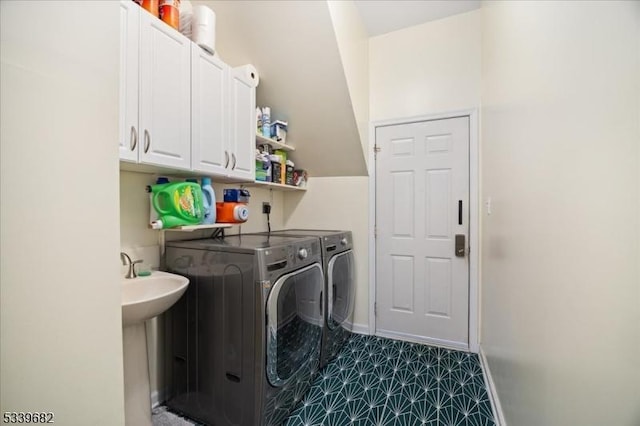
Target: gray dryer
(243, 343)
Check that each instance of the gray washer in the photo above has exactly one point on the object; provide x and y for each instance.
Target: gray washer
(243, 343)
(339, 294)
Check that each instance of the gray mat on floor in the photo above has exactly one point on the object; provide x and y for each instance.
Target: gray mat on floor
(161, 417)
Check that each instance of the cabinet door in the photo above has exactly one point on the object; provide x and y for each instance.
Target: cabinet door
(208, 113)
(242, 126)
(129, 43)
(165, 94)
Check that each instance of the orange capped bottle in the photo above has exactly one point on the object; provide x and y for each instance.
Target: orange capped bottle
(170, 12)
(150, 6)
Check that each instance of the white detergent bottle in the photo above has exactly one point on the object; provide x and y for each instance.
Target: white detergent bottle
(208, 201)
(266, 122)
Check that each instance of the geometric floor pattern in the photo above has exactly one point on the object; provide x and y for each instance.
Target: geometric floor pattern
(382, 382)
(376, 381)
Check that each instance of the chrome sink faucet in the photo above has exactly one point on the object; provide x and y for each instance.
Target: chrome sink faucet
(126, 260)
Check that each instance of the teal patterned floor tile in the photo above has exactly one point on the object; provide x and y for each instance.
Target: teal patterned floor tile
(377, 381)
(356, 410)
(338, 418)
(425, 413)
(310, 415)
(451, 417)
(375, 397)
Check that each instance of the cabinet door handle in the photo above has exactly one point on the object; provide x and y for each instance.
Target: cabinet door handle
(134, 138)
(234, 161)
(226, 156)
(147, 141)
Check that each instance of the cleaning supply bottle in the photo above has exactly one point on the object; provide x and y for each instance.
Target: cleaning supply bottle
(259, 120)
(266, 122)
(178, 203)
(208, 201)
(153, 214)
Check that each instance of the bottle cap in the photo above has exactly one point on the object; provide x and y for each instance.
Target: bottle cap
(206, 181)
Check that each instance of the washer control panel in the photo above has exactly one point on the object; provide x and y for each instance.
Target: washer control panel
(303, 253)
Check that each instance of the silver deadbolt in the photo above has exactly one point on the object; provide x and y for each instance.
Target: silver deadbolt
(460, 246)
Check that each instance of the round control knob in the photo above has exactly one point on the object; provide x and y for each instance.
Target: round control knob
(302, 253)
(343, 241)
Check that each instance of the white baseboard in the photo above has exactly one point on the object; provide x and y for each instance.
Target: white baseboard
(491, 390)
(423, 340)
(156, 398)
(360, 329)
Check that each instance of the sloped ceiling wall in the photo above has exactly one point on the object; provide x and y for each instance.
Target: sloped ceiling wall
(353, 42)
(293, 45)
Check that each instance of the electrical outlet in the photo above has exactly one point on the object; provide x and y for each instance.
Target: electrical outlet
(266, 208)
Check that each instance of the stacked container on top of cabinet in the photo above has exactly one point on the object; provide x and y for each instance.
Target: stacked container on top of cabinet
(181, 106)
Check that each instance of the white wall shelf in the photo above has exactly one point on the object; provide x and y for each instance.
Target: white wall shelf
(275, 144)
(191, 228)
(276, 186)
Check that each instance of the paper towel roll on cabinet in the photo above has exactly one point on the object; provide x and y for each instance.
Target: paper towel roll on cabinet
(186, 15)
(203, 28)
(250, 72)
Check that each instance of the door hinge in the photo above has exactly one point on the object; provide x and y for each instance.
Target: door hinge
(376, 149)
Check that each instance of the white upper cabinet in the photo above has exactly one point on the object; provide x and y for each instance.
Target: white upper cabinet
(181, 108)
(223, 119)
(155, 91)
(129, 48)
(208, 113)
(242, 122)
(165, 94)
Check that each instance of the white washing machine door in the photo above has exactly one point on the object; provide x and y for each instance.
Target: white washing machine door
(294, 322)
(341, 288)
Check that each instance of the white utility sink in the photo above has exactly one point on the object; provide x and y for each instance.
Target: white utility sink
(143, 298)
(146, 297)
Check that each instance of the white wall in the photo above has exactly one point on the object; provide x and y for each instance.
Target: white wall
(560, 136)
(337, 203)
(61, 347)
(426, 69)
(257, 220)
(353, 43)
(293, 45)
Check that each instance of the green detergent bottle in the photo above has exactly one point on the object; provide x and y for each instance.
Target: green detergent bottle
(177, 203)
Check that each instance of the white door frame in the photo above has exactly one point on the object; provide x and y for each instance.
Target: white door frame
(474, 214)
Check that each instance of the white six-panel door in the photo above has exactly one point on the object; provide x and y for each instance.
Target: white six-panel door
(422, 203)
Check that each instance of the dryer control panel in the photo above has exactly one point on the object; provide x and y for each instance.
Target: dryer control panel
(277, 260)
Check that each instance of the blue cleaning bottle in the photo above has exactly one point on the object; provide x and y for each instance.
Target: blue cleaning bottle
(208, 201)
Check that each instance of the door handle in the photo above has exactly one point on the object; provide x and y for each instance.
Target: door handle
(459, 212)
(460, 245)
(226, 156)
(234, 161)
(134, 138)
(147, 141)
